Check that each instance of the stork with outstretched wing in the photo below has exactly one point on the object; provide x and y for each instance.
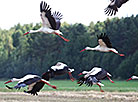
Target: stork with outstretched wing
(50, 22)
(104, 45)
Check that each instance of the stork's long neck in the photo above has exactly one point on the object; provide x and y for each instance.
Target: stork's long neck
(15, 79)
(89, 48)
(87, 74)
(134, 77)
(35, 31)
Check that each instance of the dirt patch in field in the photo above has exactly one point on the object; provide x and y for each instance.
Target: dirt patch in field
(70, 96)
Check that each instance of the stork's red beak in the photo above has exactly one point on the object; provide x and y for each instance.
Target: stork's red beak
(129, 79)
(26, 33)
(54, 87)
(79, 74)
(8, 82)
(121, 55)
(82, 50)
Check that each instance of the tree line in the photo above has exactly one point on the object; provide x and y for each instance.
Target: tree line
(35, 53)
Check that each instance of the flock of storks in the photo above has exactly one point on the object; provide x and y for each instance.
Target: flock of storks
(50, 25)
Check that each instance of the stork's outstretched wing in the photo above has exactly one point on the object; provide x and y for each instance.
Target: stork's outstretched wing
(48, 19)
(113, 7)
(104, 40)
(36, 88)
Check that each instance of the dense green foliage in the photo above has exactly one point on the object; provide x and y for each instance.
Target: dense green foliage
(35, 53)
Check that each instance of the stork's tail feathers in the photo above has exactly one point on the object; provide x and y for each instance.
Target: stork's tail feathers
(61, 37)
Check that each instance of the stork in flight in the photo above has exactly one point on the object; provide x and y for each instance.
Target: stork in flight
(93, 77)
(113, 7)
(32, 81)
(99, 73)
(104, 45)
(60, 69)
(50, 22)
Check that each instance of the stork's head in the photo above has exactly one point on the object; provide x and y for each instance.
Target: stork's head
(133, 77)
(84, 72)
(31, 31)
(12, 80)
(26, 33)
(86, 48)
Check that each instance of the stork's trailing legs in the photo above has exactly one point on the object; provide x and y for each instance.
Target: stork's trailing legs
(71, 77)
(100, 87)
(54, 87)
(110, 79)
(117, 53)
(61, 37)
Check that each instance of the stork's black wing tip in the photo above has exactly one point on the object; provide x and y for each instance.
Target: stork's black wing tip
(32, 93)
(9, 87)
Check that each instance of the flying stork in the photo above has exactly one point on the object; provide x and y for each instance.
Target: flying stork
(50, 22)
(133, 77)
(93, 77)
(113, 7)
(104, 45)
(60, 69)
(31, 81)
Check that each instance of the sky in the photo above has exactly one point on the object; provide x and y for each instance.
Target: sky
(73, 11)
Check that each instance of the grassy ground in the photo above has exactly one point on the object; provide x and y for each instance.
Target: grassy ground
(120, 91)
(67, 85)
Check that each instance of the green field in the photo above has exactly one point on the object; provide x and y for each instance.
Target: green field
(67, 85)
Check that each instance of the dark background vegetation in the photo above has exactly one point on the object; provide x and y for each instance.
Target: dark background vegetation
(35, 53)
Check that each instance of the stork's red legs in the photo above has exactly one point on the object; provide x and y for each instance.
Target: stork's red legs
(71, 77)
(62, 37)
(117, 53)
(54, 87)
(100, 88)
(110, 79)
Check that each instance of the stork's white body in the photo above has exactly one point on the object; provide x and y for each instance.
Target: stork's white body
(58, 66)
(94, 71)
(29, 76)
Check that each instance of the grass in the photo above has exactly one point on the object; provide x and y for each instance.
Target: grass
(67, 85)
(68, 91)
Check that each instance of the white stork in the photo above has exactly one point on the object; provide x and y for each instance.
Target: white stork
(99, 73)
(94, 76)
(60, 69)
(133, 77)
(51, 22)
(104, 45)
(113, 7)
(30, 81)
